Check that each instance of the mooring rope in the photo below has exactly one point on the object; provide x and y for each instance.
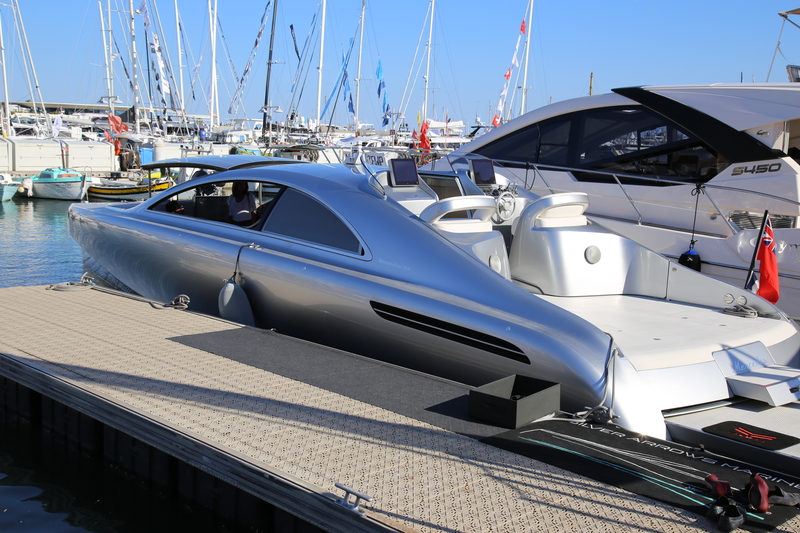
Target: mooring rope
(741, 310)
(696, 192)
(602, 414)
(180, 302)
(86, 282)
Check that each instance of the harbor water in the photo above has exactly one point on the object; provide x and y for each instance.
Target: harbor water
(45, 485)
(35, 243)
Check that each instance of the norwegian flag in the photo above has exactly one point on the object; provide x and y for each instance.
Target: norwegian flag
(768, 284)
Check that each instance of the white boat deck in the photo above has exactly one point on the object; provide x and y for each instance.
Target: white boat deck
(421, 477)
(683, 330)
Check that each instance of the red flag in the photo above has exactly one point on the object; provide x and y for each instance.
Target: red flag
(414, 136)
(424, 142)
(116, 124)
(768, 284)
(522, 28)
(507, 74)
(496, 121)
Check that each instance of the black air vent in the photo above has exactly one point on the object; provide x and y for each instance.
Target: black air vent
(451, 332)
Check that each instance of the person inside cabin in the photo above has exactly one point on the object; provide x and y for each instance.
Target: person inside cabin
(242, 205)
(173, 206)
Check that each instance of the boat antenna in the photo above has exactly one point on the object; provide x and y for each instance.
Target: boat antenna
(690, 258)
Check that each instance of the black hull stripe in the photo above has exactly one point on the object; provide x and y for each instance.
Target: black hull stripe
(452, 332)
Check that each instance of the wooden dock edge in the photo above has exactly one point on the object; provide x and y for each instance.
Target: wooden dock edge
(309, 504)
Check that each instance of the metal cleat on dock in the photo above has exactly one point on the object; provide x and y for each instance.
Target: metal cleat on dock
(347, 504)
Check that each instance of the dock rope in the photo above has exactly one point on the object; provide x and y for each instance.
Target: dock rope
(602, 414)
(741, 310)
(180, 302)
(86, 282)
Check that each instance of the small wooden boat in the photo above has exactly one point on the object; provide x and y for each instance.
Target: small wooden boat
(125, 189)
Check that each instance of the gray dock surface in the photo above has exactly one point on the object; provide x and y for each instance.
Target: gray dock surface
(312, 416)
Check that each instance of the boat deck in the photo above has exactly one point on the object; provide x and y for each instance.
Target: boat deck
(688, 427)
(683, 330)
(309, 415)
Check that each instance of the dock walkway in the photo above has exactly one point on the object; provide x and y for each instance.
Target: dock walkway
(287, 420)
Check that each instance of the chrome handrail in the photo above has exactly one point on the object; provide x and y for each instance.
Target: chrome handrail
(617, 175)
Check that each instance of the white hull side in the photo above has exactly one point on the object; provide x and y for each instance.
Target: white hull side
(69, 190)
(727, 259)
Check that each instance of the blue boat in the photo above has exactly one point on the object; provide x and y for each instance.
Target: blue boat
(8, 187)
(57, 183)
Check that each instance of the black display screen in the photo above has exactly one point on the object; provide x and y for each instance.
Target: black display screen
(404, 172)
(482, 171)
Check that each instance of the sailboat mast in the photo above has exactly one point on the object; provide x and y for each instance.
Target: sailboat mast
(108, 55)
(134, 69)
(428, 67)
(523, 108)
(319, 69)
(180, 60)
(269, 72)
(358, 74)
(212, 15)
(6, 107)
(33, 69)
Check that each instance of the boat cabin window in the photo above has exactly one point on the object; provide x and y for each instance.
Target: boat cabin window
(443, 186)
(300, 216)
(211, 201)
(629, 140)
(279, 210)
(482, 172)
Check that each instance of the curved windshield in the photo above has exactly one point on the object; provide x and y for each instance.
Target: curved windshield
(630, 140)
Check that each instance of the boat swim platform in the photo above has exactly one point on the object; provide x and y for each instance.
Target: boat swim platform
(287, 420)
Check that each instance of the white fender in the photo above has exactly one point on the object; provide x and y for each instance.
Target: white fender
(234, 305)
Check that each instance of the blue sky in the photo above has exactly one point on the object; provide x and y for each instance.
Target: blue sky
(622, 42)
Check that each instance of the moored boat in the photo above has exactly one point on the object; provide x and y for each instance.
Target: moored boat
(8, 186)
(676, 168)
(56, 183)
(115, 190)
(383, 265)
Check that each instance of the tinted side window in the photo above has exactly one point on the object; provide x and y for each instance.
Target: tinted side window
(638, 141)
(299, 216)
(521, 145)
(554, 148)
(628, 140)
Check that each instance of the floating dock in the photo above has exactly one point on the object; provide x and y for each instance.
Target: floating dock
(291, 423)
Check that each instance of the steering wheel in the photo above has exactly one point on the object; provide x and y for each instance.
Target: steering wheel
(506, 205)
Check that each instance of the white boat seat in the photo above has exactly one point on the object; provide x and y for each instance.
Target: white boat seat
(559, 210)
(556, 250)
(484, 207)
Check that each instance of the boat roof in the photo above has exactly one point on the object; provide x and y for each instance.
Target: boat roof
(742, 105)
(739, 107)
(218, 162)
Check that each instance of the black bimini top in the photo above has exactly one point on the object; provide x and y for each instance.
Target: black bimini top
(733, 145)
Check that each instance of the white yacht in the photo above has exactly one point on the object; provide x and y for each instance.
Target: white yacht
(674, 168)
